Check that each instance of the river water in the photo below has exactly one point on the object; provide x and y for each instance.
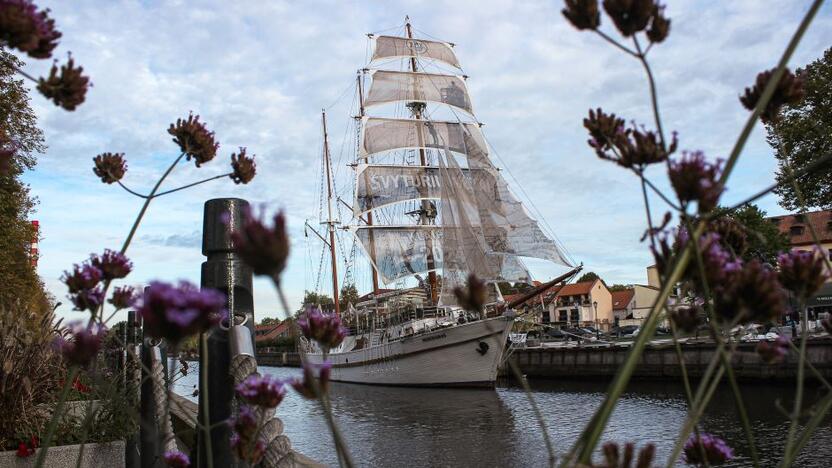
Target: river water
(391, 426)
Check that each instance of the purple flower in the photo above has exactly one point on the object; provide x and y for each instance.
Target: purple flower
(113, 265)
(264, 391)
(686, 318)
(123, 297)
(177, 460)
(774, 351)
(695, 179)
(630, 16)
(243, 167)
(67, 89)
(245, 424)
(802, 273)
(323, 328)
(247, 449)
(82, 277)
(80, 343)
(715, 450)
(175, 312)
(25, 28)
(631, 148)
(583, 14)
(789, 91)
(751, 292)
(473, 296)
(264, 249)
(88, 299)
(110, 167)
(306, 386)
(194, 139)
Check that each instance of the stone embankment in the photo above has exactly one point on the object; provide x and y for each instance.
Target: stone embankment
(662, 361)
(658, 361)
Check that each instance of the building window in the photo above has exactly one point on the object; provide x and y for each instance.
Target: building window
(796, 230)
(562, 315)
(574, 316)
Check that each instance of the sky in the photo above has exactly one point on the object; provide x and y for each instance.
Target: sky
(259, 72)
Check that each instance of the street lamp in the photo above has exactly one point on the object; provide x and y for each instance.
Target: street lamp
(597, 332)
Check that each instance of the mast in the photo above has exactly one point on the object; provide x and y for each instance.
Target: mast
(370, 213)
(330, 221)
(416, 108)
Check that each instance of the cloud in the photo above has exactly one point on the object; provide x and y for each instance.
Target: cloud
(192, 240)
(259, 72)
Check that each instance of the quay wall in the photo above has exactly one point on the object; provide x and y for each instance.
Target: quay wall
(265, 358)
(659, 362)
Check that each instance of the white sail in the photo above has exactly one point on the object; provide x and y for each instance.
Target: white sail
(395, 86)
(382, 134)
(395, 47)
(400, 251)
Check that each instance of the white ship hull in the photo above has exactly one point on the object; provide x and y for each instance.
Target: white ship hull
(459, 355)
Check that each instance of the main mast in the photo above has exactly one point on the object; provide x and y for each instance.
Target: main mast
(330, 222)
(416, 108)
(369, 213)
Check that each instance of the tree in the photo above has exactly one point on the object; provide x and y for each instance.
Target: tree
(311, 298)
(763, 240)
(348, 295)
(618, 287)
(588, 276)
(21, 286)
(803, 135)
(270, 321)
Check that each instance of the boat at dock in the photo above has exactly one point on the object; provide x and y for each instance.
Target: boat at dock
(429, 208)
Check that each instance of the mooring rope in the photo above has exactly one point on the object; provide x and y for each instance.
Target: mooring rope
(278, 447)
(160, 396)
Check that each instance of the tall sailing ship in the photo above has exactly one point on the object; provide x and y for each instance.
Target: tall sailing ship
(429, 208)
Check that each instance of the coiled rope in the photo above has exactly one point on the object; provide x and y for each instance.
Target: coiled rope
(278, 447)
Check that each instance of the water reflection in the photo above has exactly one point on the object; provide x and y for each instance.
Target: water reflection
(389, 426)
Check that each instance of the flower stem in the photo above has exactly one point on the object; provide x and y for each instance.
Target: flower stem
(615, 43)
(768, 91)
(147, 201)
(647, 211)
(654, 98)
(206, 420)
(724, 357)
(132, 192)
(592, 432)
(798, 398)
(56, 415)
(192, 185)
(538, 415)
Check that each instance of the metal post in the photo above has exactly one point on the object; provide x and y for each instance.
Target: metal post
(148, 428)
(224, 271)
(131, 449)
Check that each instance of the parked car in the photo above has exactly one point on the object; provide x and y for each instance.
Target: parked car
(625, 331)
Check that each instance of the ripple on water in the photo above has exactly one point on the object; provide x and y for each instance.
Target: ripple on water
(391, 426)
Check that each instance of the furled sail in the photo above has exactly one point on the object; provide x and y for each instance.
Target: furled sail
(392, 47)
(392, 86)
(382, 134)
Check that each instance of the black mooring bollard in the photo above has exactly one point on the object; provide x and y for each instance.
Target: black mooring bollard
(223, 271)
